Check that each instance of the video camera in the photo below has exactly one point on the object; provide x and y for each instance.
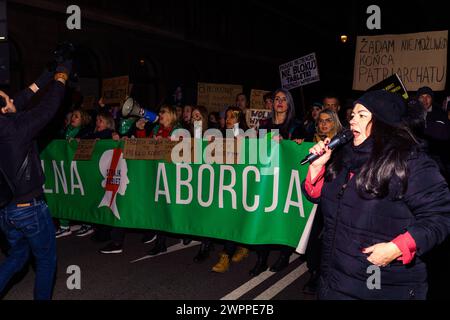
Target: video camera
(65, 51)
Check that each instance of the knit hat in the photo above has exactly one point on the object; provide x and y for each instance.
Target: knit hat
(425, 90)
(385, 106)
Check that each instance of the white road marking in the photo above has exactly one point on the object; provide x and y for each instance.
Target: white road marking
(253, 283)
(283, 283)
(176, 247)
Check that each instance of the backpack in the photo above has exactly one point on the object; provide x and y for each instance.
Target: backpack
(7, 188)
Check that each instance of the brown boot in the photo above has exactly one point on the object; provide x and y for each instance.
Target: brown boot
(240, 254)
(223, 265)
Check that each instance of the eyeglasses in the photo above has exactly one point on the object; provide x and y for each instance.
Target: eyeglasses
(280, 99)
(325, 121)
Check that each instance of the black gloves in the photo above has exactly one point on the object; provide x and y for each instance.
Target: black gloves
(44, 79)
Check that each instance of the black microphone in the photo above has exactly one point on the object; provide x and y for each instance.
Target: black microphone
(338, 140)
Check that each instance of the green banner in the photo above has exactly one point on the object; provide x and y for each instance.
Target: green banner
(258, 203)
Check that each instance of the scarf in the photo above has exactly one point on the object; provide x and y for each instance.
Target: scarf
(354, 157)
(71, 132)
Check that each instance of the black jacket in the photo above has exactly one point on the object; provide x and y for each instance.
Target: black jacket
(17, 137)
(437, 126)
(294, 130)
(352, 223)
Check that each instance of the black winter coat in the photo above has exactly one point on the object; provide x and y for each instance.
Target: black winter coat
(17, 137)
(352, 223)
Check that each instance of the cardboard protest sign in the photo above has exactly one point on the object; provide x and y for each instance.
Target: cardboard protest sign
(148, 149)
(256, 99)
(299, 72)
(115, 90)
(84, 149)
(419, 59)
(216, 97)
(253, 116)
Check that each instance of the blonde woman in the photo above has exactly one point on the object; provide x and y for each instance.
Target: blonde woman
(167, 123)
(327, 125)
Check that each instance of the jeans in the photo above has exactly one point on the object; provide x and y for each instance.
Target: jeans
(29, 228)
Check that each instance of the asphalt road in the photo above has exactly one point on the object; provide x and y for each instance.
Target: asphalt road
(172, 276)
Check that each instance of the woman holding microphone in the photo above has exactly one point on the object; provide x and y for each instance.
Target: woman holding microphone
(384, 203)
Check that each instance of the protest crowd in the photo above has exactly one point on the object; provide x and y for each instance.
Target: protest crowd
(324, 118)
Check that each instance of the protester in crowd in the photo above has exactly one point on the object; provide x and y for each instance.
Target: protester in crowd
(67, 120)
(311, 120)
(283, 119)
(25, 219)
(187, 113)
(234, 119)
(242, 101)
(327, 125)
(117, 235)
(234, 123)
(331, 101)
(214, 120)
(437, 130)
(384, 202)
(222, 120)
(167, 124)
(104, 129)
(199, 117)
(268, 101)
(79, 127)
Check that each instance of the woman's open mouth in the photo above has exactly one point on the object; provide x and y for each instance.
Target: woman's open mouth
(356, 133)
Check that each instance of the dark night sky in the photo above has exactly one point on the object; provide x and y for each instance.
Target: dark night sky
(290, 29)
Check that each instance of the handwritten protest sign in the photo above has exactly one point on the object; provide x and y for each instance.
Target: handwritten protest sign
(148, 149)
(115, 90)
(299, 72)
(216, 97)
(420, 59)
(253, 116)
(256, 99)
(84, 149)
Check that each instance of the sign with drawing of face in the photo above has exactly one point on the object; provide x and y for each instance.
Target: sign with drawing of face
(114, 170)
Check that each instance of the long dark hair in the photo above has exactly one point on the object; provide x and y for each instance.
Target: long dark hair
(386, 169)
(290, 116)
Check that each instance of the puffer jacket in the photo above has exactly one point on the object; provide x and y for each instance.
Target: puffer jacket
(352, 222)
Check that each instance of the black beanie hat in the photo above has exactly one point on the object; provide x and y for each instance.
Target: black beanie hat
(425, 90)
(385, 106)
